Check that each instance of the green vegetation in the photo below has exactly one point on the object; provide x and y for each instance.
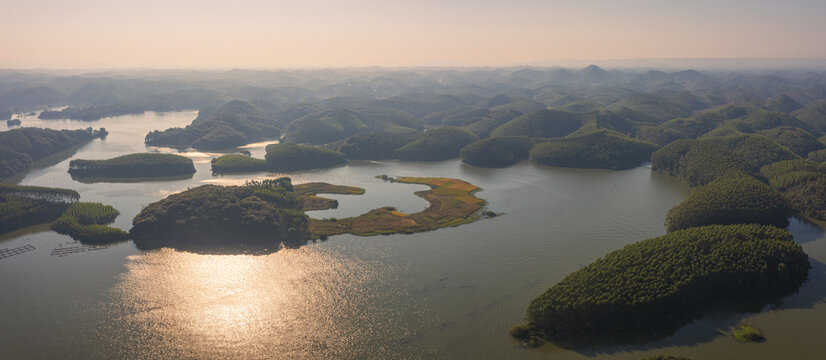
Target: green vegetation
(799, 141)
(486, 124)
(377, 145)
(661, 282)
(86, 222)
(497, 152)
(23, 206)
(731, 200)
(602, 149)
(333, 125)
(659, 135)
(747, 333)
(89, 113)
(20, 148)
(783, 103)
(233, 124)
(817, 156)
(144, 165)
(666, 357)
(814, 115)
(742, 118)
(802, 183)
(256, 217)
(294, 157)
(451, 204)
(700, 161)
(234, 163)
(435, 145)
(309, 201)
(656, 108)
(543, 123)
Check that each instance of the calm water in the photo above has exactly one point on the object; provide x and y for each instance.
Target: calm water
(450, 293)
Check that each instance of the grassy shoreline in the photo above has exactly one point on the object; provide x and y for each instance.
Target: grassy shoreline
(452, 203)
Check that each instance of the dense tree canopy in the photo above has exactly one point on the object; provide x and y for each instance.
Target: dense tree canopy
(232, 163)
(802, 182)
(378, 145)
(700, 161)
(22, 206)
(86, 222)
(436, 144)
(542, 123)
(258, 216)
(653, 283)
(293, 157)
(133, 166)
(730, 200)
(601, 149)
(19, 148)
(497, 152)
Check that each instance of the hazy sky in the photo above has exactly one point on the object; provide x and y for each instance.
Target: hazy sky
(339, 33)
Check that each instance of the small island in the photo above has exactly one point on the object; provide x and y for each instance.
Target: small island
(451, 201)
(746, 333)
(145, 165)
(86, 222)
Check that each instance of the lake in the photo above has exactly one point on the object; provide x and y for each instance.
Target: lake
(450, 293)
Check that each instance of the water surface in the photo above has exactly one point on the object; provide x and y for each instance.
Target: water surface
(449, 293)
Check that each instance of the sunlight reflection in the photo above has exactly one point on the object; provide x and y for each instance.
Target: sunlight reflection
(293, 303)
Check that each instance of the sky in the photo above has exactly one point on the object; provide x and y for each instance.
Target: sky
(210, 34)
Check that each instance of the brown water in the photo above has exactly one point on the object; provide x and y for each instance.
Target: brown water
(450, 293)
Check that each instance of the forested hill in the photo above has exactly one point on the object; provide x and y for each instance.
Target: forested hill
(20, 148)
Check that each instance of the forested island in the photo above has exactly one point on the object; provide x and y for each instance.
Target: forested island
(86, 222)
(146, 165)
(257, 217)
(657, 284)
(20, 148)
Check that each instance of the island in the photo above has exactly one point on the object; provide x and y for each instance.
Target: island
(452, 203)
(86, 222)
(20, 148)
(661, 283)
(237, 163)
(746, 333)
(141, 165)
(257, 217)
